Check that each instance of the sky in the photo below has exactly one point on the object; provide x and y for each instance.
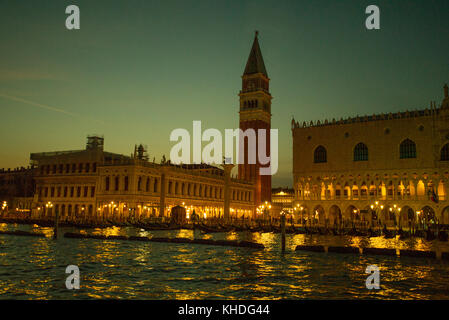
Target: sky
(138, 69)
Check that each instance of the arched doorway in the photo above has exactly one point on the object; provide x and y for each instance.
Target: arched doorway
(444, 219)
(427, 216)
(303, 215)
(335, 217)
(352, 215)
(406, 217)
(366, 215)
(318, 216)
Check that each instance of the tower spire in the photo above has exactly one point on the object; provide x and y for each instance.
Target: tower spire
(255, 63)
(445, 102)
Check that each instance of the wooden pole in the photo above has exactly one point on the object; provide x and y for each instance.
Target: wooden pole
(55, 234)
(283, 231)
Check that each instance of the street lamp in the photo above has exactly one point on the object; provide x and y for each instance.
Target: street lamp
(396, 211)
(48, 205)
(374, 208)
(418, 217)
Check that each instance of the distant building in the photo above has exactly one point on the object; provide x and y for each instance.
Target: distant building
(17, 188)
(94, 182)
(283, 196)
(389, 167)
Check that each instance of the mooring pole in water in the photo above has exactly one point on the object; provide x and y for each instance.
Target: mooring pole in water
(55, 233)
(283, 231)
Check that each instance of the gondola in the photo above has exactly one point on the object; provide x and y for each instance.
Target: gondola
(443, 236)
(266, 229)
(388, 234)
(373, 233)
(335, 232)
(404, 236)
(352, 232)
(300, 230)
(430, 235)
(239, 228)
(207, 229)
(256, 229)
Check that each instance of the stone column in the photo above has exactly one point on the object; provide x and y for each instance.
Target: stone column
(426, 189)
(163, 188)
(331, 191)
(359, 190)
(394, 188)
(446, 190)
(415, 190)
(227, 188)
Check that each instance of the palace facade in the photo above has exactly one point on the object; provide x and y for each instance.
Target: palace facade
(392, 168)
(93, 182)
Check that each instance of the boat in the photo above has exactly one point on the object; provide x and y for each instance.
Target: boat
(430, 235)
(388, 234)
(256, 229)
(443, 236)
(209, 229)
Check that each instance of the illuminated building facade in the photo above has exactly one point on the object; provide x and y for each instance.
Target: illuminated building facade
(283, 197)
(392, 168)
(93, 182)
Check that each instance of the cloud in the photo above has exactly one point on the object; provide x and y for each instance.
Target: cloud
(44, 106)
(14, 75)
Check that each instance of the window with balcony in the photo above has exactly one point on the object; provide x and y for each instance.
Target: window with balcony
(320, 155)
(407, 149)
(361, 152)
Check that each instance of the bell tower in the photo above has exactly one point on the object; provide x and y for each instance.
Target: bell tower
(255, 113)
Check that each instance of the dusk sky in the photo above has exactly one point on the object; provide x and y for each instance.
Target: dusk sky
(136, 70)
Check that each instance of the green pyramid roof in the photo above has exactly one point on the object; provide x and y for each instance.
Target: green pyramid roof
(255, 62)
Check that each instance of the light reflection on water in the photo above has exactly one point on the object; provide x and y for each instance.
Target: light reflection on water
(34, 268)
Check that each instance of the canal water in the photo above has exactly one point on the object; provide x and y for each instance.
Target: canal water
(34, 268)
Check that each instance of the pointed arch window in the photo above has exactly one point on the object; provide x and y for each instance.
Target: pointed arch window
(320, 155)
(407, 149)
(361, 152)
(126, 183)
(445, 152)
